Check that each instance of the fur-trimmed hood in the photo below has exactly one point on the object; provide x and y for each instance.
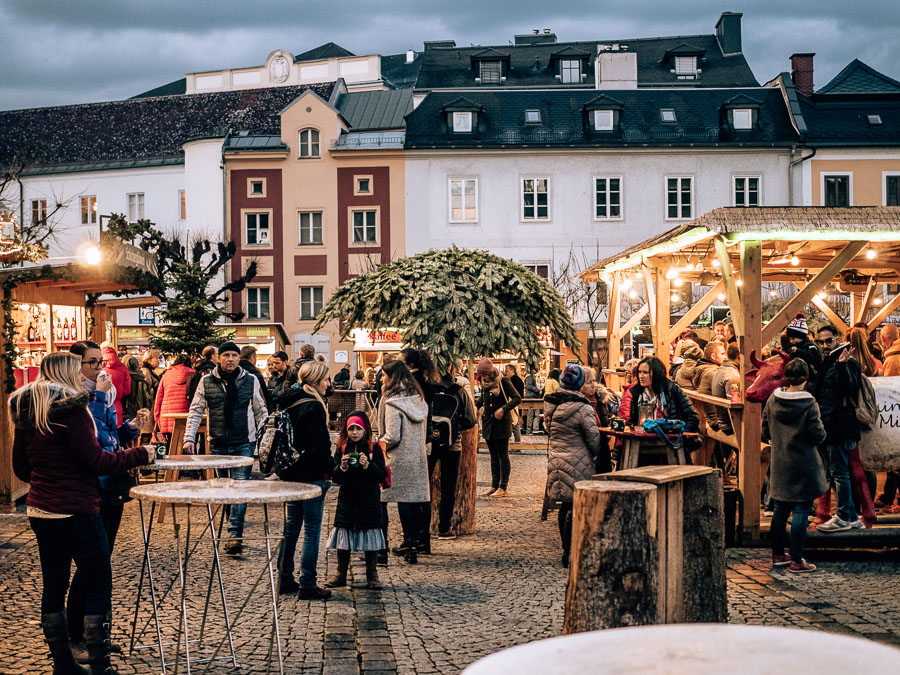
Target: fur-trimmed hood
(63, 404)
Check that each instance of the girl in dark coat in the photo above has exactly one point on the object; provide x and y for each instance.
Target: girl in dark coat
(654, 389)
(359, 470)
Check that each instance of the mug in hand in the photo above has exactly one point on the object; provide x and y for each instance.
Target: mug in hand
(353, 459)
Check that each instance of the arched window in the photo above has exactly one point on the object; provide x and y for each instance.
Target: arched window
(309, 143)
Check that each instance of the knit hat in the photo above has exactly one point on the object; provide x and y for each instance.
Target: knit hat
(228, 347)
(797, 327)
(485, 367)
(572, 378)
(357, 421)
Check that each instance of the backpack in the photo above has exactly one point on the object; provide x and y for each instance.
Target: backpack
(274, 441)
(449, 415)
(866, 407)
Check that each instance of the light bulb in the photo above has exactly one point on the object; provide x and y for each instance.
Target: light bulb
(632, 294)
(721, 297)
(772, 294)
(871, 253)
(716, 262)
(876, 301)
(626, 284)
(795, 260)
(738, 282)
(677, 281)
(671, 273)
(93, 256)
(820, 295)
(675, 297)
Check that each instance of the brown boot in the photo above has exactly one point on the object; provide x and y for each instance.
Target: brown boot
(372, 580)
(339, 580)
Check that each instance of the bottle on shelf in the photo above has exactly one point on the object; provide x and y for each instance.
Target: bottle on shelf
(66, 330)
(44, 331)
(59, 330)
(30, 334)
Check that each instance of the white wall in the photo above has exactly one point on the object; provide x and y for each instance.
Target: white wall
(500, 230)
(204, 189)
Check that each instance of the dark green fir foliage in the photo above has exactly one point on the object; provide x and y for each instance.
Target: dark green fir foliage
(455, 303)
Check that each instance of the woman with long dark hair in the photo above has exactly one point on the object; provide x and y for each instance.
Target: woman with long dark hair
(402, 416)
(56, 450)
(657, 393)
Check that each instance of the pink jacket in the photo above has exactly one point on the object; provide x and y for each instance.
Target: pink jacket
(120, 377)
(171, 397)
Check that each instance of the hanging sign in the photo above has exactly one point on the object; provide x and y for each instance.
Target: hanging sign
(879, 447)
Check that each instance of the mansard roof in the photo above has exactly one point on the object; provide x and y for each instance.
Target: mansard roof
(565, 122)
(532, 64)
(139, 131)
(375, 110)
(859, 78)
(329, 50)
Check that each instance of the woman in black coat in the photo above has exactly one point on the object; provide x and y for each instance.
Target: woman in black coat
(655, 389)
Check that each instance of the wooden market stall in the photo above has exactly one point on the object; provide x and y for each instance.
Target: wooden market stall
(47, 307)
(731, 253)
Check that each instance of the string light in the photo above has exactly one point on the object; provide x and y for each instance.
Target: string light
(876, 301)
(677, 281)
(871, 253)
(721, 297)
(632, 294)
(716, 262)
(795, 260)
(626, 284)
(738, 283)
(671, 273)
(772, 293)
(675, 297)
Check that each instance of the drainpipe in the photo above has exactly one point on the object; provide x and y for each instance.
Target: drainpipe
(21, 201)
(225, 190)
(795, 162)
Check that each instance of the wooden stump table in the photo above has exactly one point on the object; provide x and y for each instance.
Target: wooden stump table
(637, 443)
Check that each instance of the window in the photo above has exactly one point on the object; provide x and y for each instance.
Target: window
(363, 185)
(874, 120)
(256, 229)
(532, 116)
(892, 190)
(679, 198)
(746, 190)
(837, 190)
(365, 227)
(182, 206)
(38, 211)
(310, 302)
(135, 206)
(310, 228)
(88, 210)
(535, 205)
(603, 120)
(309, 143)
(462, 122)
(686, 66)
(541, 269)
(463, 200)
(607, 198)
(667, 115)
(257, 188)
(491, 72)
(258, 303)
(743, 118)
(570, 71)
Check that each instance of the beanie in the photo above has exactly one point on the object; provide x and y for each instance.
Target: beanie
(797, 327)
(228, 347)
(572, 378)
(485, 367)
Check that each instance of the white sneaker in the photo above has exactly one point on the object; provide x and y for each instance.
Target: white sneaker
(857, 524)
(834, 525)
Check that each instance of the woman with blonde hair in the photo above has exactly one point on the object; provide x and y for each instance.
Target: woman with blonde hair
(860, 350)
(149, 367)
(309, 421)
(55, 448)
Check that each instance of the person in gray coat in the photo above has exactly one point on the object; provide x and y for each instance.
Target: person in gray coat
(402, 414)
(792, 422)
(574, 444)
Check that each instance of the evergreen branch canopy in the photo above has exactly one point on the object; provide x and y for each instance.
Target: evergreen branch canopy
(455, 303)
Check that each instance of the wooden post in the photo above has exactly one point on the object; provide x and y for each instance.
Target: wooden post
(614, 560)
(662, 334)
(613, 337)
(732, 294)
(749, 479)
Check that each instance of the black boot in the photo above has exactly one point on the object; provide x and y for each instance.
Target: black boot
(411, 556)
(403, 548)
(372, 580)
(339, 579)
(96, 634)
(423, 546)
(56, 632)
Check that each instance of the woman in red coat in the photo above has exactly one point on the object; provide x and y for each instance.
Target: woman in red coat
(120, 377)
(55, 448)
(171, 397)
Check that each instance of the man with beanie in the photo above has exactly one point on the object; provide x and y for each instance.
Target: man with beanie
(236, 409)
(801, 347)
(497, 401)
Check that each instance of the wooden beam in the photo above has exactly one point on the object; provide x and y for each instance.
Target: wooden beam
(749, 468)
(867, 300)
(662, 335)
(613, 336)
(816, 284)
(697, 309)
(633, 321)
(651, 296)
(731, 290)
(885, 311)
(829, 313)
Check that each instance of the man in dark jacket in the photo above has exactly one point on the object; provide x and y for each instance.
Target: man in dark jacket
(248, 363)
(342, 378)
(802, 347)
(707, 367)
(237, 409)
(283, 376)
(208, 360)
(837, 389)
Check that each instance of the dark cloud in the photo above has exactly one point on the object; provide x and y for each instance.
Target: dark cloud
(58, 51)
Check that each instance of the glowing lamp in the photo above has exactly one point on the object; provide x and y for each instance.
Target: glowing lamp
(632, 294)
(795, 260)
(871, 253)
(716, 262)
(671, 273)
(721, 297)
(93, 256)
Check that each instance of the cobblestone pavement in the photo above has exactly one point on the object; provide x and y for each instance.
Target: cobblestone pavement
(475, 595)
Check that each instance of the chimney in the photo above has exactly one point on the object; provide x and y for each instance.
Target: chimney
(410, 56)
(616, 70)
(802, 73)
(536, 37)
(728, 33)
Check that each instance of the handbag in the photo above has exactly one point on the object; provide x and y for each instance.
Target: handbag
(513, 412)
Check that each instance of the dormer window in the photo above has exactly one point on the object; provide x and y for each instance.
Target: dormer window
(667, 116)
(462, 122)
(686, 67)
(491, 72)
(743, 118)
(532, 117)
(874, 120)
(570, 71)
(604, 120)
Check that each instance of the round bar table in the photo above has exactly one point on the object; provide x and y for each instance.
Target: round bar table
(698, 649)
(211, 493)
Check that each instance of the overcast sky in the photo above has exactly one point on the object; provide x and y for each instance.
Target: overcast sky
(57, 52)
